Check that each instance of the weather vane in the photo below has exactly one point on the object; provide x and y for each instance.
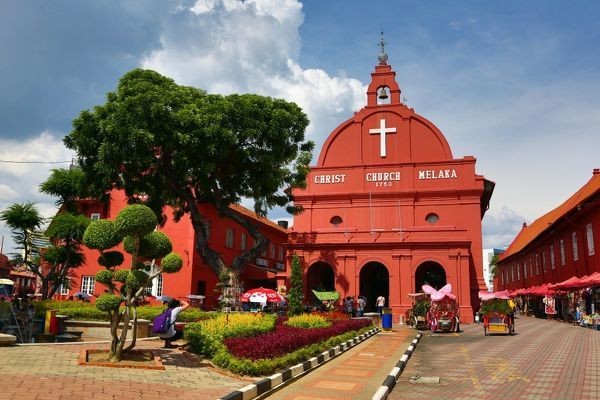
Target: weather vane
(383, 57)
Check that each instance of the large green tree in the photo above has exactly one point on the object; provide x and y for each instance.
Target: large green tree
(179, 146)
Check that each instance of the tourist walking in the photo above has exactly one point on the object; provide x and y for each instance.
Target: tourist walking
(380, 303)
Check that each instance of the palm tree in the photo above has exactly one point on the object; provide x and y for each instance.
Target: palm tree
(23, 220)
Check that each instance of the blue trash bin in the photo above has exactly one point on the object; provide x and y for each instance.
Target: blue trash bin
(386, 319)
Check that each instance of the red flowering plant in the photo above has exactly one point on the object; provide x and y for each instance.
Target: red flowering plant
(286, 339)
(332, 316)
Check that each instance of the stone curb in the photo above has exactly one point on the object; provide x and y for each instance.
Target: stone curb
(389, 382)
(262, 386)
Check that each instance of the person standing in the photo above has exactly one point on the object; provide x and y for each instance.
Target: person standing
(380, 303)
(361, 304)
(173, 334)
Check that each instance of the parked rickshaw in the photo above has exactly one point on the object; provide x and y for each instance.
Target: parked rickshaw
(443, 313)
(498, 315)
(416, 316)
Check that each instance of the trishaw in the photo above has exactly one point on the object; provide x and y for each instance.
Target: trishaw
(497, 314)
(443, 314)
(416, 316)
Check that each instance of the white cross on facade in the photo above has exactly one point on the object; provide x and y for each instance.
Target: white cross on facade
(382, 130)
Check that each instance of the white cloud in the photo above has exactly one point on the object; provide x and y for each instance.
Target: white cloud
(253, 47)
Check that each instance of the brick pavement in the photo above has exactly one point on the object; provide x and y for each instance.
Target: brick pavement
(50, 372)
(544, 360)
(356, 374)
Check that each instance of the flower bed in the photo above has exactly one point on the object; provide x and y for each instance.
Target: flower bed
(286, 339)
(260, 346)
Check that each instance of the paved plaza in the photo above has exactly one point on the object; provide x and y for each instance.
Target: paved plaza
(544, 360)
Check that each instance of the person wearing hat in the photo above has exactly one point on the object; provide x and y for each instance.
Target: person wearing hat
(172, 334)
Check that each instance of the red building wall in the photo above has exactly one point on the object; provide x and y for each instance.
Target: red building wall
(528, 260)
(195, 277)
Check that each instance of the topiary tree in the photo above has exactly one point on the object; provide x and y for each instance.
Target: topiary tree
(294, 297)
(134, 227)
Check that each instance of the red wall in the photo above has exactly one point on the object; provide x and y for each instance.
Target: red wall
(194, 270)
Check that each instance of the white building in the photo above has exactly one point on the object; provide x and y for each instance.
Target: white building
(488, 254)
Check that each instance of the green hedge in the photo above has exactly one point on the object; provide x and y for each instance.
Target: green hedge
(82, 311)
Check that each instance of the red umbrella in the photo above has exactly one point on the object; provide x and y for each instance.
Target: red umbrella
(261, 295)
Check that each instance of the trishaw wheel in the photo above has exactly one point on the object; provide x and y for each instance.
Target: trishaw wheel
(413, 322)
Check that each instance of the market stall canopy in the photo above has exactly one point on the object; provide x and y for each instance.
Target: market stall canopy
(326, 296)
(542, 290)
(571, 283)
(592, 280)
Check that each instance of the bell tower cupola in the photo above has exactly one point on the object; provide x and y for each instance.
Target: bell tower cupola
(383, 89)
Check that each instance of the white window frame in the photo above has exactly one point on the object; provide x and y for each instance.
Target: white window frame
(272, 251)
(518, 272)
(524, 269)
(589, 233)
(563, 258)
(243, 241)
(552, 257)
(95, 216)
(64, 289)
(543, 261)
(87, 284)
(207, 228)
(155, 288)
(229, 238)
(575, 247)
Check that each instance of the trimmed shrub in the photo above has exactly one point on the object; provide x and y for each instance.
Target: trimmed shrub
(135, 219)
(171, 263)
(308, 321)
(101, 235)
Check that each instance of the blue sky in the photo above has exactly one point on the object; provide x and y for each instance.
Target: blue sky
(513, 83)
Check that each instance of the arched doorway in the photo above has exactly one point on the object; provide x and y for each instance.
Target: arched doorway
(430, 273)
(374, 282)
(319, 277)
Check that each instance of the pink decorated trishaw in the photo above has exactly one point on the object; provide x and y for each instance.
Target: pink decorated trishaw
(443, 313)
(498, 314)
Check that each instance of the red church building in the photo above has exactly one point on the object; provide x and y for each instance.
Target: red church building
(388, 208)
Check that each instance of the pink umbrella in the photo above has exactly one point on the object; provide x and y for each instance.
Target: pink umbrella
(261, 295)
